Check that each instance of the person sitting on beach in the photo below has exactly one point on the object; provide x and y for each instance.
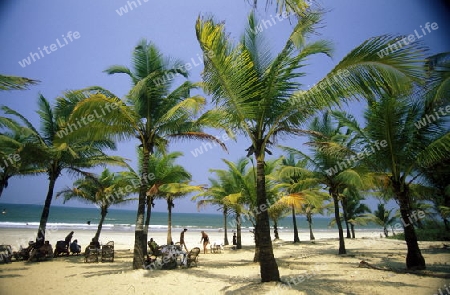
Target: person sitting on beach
(154, 247)
(182, 243)
(205, 239)
(75, 248)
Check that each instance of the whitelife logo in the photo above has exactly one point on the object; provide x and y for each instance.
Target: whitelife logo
(34, 56)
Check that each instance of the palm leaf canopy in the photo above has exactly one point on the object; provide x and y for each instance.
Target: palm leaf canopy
(257, 93)
(16, 83)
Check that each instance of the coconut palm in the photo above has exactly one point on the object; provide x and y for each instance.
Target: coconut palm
(214, 195)
(382, 217)
(258, 94)
(411, 147)
(276, 212)
(355, 211)
(101, 190)
(299, 186)
(155, 114)
(16, 83)
(74, 154)
(19, 155)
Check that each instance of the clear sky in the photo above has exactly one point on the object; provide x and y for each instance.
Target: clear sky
(103, 34)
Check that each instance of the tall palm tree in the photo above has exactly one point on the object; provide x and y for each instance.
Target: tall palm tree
(73, 154)
(16, 83)
(300, 187)
(214, 195)
(155, 114)
(257, 93)
(411, 146)
(101, 190)
(329, 147)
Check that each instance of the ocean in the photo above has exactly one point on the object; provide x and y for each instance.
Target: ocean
(71, 218)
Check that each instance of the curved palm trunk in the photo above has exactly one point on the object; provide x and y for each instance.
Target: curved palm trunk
(275, 230)
(139, 239)
(309, 218)
(344, 210)
(353, 230)
(46, 210)
(294, 221)
(267, 262)
(238, 231)
(225, 227)
(169, 220)
(148, 215)
(338, 222)
(103, 213)
(414, 258)
(386, 232)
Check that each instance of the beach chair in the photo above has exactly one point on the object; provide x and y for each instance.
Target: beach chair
(23, 253)
(6, 254)
(91, 254)
(193, 256)
(169, 257)
(61, 248)
(108, 252)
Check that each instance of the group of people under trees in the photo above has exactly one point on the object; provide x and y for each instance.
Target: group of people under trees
(205, 239)
(43, 248)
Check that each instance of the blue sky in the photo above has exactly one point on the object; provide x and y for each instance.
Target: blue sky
(106, 38)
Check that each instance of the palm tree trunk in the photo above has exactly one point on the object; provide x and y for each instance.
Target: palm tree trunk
(104, 211)
(3, 182)
(353, 230)
(267, 262)
(46, 210)
(338, 222)
(148, 215)
(311, 235)
(386, 233)
(414, 258)
(294, 221)
(139, 239)
(169, 220)
(225, 228)
(275, 230)
(344, 210)
(238, 231)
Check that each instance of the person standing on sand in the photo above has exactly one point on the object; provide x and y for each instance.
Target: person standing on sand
(182, 240)
(205, 239)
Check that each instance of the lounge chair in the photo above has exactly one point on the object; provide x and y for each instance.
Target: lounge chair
(169, 258)
(61, 248)
(91, 254)
(23, 253)
(193, 256)
(6, 254)
(108, 252)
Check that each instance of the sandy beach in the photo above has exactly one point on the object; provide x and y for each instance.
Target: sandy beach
(305, 268)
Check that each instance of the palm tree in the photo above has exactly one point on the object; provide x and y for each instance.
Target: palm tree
(16, 83)
(276, 212)
(214, 195)
(258, 95)
(155, 114)
(74, 154)
(329, 147)
(19, 155)
(382, 217)
(410, 146)
(355, 211)
(300, 186)
(101, 190)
